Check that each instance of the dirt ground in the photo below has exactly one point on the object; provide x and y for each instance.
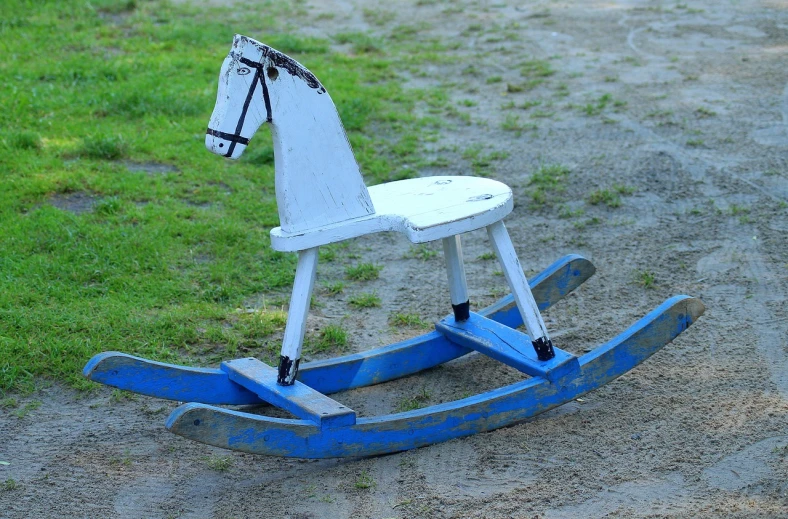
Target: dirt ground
(695, 124)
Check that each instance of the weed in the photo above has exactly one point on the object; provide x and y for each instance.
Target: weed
(511, 123)
(408, 321)
(738, 210)
(25, 140)
(414, 402)
(622, 189)
(566, 212)
(364, 300)
(24, 410)
(486, 256)
(645, 278)
(10, 484)
(119, 395)
(220, 463)
(421, 251)
(536, 68)
(530, 104)
(365, 481)
(331, 337)
(695, 143)
(363, 272)
(493, 79)
(9, 403)
(547, 180)
(362, 43)
(582, 224)
(705, 112)
(604, 196)
(334, 288)
(105, 148)
(468, 102)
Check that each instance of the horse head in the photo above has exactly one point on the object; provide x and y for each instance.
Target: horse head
(317, 179)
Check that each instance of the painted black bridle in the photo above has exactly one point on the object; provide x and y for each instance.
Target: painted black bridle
(236, 138)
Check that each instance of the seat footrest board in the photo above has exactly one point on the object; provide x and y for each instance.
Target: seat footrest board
(509, 346)
(299, 399)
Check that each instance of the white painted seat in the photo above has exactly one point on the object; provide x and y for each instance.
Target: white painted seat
(322, 198)
(424, 209)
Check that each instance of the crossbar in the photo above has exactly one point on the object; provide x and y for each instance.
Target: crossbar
(299, 399)
(509, 346)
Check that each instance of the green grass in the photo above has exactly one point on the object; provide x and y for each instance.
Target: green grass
(363, 272)
(330, 338)
(157, 264)
(364, 300)
(365, 481)
(414, 402)
(645, 278)
(400, 320)
(546, 181)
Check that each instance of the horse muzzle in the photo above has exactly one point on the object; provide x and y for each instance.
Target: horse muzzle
(228, 145)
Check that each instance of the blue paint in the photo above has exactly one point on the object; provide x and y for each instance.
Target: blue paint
(402, 431)
(212, 386)
(509, 346)
(298, 398)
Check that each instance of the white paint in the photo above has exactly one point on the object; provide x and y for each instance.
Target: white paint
(424, 209)
(515, 276)
(317, 178)
(321, 194)
(455, 269)
(299, 303)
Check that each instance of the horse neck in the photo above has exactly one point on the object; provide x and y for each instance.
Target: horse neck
(318, 182)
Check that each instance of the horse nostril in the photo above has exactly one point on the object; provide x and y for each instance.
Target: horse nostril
(272, 73)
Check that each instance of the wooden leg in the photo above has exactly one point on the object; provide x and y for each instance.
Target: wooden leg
(515, 276)
(458, 287)
(296, 316)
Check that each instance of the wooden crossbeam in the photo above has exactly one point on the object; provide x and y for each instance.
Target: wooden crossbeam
(299, 399)
(509, 346)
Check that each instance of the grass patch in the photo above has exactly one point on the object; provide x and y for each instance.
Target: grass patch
(400, 320)
(606, 197)
(645, 279)
(414, 402)
(364, 300)
(161, 264)
(330, 338)
(333, 289)
(421, 251)
(546, 181)
(363, 272)
(365, 481)
(220, 463)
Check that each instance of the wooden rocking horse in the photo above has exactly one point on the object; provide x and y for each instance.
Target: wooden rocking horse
(322, 199)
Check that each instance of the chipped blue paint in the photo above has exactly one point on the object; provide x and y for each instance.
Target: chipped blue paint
(212, 386)
(507, 345)
(402, 431)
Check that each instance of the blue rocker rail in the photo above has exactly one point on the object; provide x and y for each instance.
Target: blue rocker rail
(322, 199)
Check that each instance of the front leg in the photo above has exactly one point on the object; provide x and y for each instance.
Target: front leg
(532, 319)
(296, 316)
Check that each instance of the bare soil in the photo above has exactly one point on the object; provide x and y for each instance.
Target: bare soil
(696, 125)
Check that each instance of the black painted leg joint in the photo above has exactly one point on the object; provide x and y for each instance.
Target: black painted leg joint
(288, 369)
(544, 348)
(462, 311)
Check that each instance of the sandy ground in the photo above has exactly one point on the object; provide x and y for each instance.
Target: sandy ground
(696, 124)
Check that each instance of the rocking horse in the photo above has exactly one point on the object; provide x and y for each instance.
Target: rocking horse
(322, 199)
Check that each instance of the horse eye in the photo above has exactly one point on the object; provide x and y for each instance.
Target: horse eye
(243, 71)
(272, 73)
